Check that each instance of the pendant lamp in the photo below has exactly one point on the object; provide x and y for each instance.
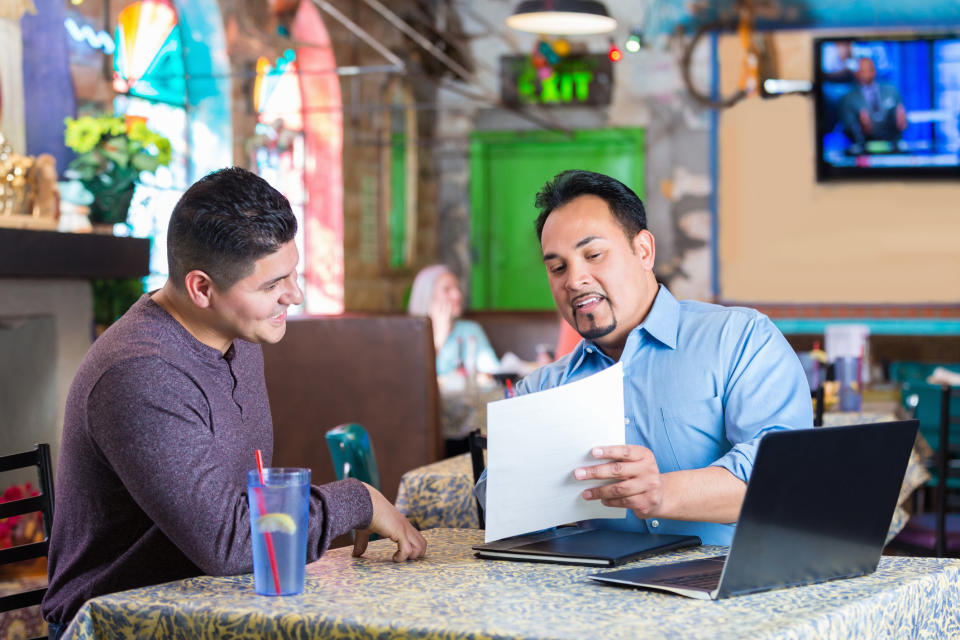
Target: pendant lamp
(562, 17)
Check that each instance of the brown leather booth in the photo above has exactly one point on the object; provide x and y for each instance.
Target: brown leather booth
(518, 331)
(377, 370)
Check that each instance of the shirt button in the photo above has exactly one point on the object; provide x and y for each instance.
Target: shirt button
(654, 523)
(589, 350)
(626, 421)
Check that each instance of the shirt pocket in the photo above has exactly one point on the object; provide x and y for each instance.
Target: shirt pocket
(694, 432)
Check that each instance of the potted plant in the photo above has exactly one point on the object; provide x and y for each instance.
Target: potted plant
(111, 151)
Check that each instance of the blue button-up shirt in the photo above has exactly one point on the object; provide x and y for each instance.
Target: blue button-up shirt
(702, 384)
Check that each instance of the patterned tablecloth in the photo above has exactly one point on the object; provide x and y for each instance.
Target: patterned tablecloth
(452, 594)
(22, 623)
(440, 494)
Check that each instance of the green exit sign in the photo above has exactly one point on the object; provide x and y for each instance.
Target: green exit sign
(574, 80)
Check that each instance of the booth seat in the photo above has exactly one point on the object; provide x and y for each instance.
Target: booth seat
(376, 370)
(519, 331)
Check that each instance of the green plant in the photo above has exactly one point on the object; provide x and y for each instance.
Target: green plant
(111, 152)
(112, 297)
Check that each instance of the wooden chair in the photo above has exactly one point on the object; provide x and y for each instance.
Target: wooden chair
(939, 531)
(477, 444)
(40, 458)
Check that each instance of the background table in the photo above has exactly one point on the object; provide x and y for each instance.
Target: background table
(463, 407)
(441, 494)
(22, 623)
(452, 594)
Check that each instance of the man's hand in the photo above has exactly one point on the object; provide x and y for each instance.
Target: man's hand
(901, 117)
(865, 122)
(390, 523)
(441, 317)
(639, 486)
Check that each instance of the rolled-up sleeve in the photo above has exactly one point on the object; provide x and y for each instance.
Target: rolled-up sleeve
(766, 391)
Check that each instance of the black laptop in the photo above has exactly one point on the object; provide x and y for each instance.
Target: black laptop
(818, 507)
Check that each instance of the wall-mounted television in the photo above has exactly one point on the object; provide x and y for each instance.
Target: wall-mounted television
(887, 106)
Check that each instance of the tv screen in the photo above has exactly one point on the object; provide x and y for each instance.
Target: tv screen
(888, 106)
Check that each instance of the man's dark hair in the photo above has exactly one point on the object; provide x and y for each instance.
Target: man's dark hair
(624, 204)
(224, 223)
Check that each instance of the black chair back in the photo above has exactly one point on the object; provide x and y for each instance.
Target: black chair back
(477, 444)
(947, 457)
(817, 395)
(40, 458)
(937, 531)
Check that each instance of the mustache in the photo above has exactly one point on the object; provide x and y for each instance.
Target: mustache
(589, 294)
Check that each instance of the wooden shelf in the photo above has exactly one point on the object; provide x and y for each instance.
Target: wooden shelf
(51, 254)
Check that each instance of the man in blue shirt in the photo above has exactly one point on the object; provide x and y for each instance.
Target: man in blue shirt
(702, 383)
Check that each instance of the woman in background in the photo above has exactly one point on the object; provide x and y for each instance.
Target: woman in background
(459, 343)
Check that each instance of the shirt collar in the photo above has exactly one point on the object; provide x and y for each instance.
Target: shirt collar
(662, 323)
(663, 320)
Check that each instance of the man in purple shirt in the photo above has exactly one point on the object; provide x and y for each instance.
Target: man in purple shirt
(169, 406)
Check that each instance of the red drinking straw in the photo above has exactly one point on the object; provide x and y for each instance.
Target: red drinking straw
(261, 503)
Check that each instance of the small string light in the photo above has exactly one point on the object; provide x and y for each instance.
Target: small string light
(615, 54)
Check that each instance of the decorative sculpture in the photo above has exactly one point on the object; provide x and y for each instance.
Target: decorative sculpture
(29, 197)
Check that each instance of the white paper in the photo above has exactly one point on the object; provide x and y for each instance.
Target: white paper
(535, 441)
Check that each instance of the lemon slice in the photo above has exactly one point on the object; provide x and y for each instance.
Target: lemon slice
(276, 523)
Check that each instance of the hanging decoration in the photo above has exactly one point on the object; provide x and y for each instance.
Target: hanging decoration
(635, 41)
(614, 54)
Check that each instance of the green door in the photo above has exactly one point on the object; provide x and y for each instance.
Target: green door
(507, 168)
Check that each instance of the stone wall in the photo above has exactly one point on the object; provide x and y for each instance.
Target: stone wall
(648, 93)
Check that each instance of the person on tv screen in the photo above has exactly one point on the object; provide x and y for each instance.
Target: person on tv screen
(872, 110)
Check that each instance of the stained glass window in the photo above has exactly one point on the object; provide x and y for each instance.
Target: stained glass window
(149, 78)
(279, 150)
(148, 61)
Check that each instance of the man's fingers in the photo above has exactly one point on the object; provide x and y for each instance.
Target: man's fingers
(361, 538)
(402, 552)
(628, 452)
(613, 471)
(419, 544)
(620, 454)
(625, 489)
(410, 546)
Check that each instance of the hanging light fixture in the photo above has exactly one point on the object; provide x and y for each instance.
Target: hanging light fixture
(562, 17)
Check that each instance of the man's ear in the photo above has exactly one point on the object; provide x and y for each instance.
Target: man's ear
(645, 246)
(199, 287)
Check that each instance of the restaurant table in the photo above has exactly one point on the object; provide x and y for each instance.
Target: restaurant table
(452, 594)
(441, 494)
(463, 407)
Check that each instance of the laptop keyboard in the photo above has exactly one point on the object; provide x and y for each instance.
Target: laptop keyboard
(708, 580)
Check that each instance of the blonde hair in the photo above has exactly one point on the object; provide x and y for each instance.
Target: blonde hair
(421, 295)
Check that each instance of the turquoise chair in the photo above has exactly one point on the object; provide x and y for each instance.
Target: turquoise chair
(352, 454)
(923, 400)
